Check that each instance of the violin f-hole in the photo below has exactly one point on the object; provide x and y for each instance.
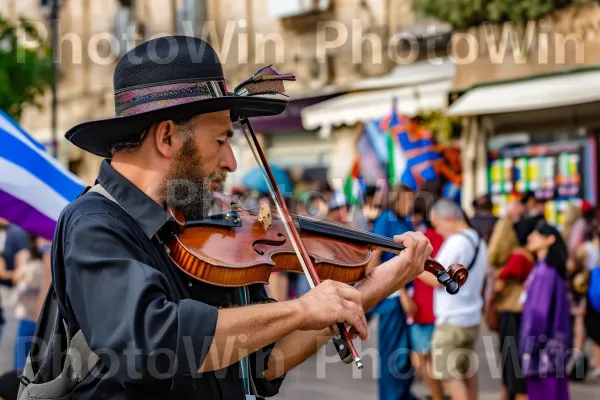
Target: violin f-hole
(269, 242)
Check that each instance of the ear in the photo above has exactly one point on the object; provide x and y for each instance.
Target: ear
(551, 240)
(164, 138)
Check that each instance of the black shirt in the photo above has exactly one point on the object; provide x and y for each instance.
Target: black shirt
(150, 323)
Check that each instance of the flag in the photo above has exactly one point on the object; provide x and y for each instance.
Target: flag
(421, 152)
(372, 167)
(34, 187)
(396, 162)
(354, 186)
(377, 140)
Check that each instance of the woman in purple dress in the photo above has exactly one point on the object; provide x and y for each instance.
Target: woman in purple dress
(546, 331)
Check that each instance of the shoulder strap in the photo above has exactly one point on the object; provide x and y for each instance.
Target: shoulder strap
(98, 188)
(476, 247)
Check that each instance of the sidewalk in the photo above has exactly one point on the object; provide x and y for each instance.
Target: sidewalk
(335, 380)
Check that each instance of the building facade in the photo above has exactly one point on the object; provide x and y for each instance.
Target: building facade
(528, 100)
(334, 47)
(93, 35)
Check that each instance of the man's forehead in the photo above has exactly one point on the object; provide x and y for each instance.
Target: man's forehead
(216, 122)
(215, 116)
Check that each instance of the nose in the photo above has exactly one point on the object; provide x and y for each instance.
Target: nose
(228, 161)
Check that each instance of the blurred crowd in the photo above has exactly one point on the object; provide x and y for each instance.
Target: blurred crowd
(529, 283)
(25, 275)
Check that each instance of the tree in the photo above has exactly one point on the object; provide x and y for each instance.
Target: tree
(462, 14)
(25, 69)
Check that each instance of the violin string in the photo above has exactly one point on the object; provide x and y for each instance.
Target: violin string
(333, 225)
(364, 234)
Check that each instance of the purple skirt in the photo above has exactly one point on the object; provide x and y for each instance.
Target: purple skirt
(548, 388)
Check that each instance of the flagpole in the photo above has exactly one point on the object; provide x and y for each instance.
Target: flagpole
(54, 23)
(55, 44)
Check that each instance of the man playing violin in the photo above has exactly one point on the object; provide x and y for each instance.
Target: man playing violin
(159, 332)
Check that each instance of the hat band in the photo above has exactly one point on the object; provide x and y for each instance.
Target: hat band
(141, 100)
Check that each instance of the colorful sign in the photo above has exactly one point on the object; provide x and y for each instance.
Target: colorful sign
(553, 172)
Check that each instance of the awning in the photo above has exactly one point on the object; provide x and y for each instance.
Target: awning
(421, 85)
(536, 93)
(360, 106)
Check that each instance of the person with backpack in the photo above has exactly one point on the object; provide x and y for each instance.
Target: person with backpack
(457, 317)
(546, 325)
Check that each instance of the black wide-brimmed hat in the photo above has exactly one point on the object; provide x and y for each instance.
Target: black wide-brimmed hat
(173, 78)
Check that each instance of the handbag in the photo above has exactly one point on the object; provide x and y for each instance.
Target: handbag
(491, 314)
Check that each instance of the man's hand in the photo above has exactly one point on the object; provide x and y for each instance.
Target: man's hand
(333, 302)
(308, 317)
(410, 263)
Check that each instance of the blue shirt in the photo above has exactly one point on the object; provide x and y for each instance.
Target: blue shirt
(390, 224)
(16, 240)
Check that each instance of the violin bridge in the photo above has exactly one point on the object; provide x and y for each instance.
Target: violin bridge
(264, 216)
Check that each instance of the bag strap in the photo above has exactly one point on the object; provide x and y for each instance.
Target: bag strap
(475, 246)
(98, 188)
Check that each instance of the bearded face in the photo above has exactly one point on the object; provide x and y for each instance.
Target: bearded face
(186, 187)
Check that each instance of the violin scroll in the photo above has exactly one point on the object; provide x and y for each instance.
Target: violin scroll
(452, 280)
(458, 273)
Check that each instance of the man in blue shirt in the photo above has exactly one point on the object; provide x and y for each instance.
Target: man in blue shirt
(394, 353)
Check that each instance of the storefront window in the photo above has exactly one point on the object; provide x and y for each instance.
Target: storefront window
(554, 165)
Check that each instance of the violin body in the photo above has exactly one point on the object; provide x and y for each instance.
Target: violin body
(228, 255)
(241, 247)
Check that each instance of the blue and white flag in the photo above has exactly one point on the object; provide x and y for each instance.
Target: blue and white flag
(34, 187)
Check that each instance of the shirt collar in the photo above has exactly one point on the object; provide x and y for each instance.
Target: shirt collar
(149, 215)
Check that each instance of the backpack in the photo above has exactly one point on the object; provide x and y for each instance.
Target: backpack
(59, 359)
(593, 292)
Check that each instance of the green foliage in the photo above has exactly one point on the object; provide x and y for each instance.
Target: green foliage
(25, 70)
(444, 128)
(462, 14)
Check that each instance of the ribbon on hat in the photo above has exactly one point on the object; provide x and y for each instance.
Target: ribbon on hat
(150, 98)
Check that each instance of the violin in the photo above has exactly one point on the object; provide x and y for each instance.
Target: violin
(239, 247)
(257, 244)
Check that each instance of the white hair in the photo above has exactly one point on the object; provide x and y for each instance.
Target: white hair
(445, 208)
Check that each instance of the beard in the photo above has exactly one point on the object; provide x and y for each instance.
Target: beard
(186, 188)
